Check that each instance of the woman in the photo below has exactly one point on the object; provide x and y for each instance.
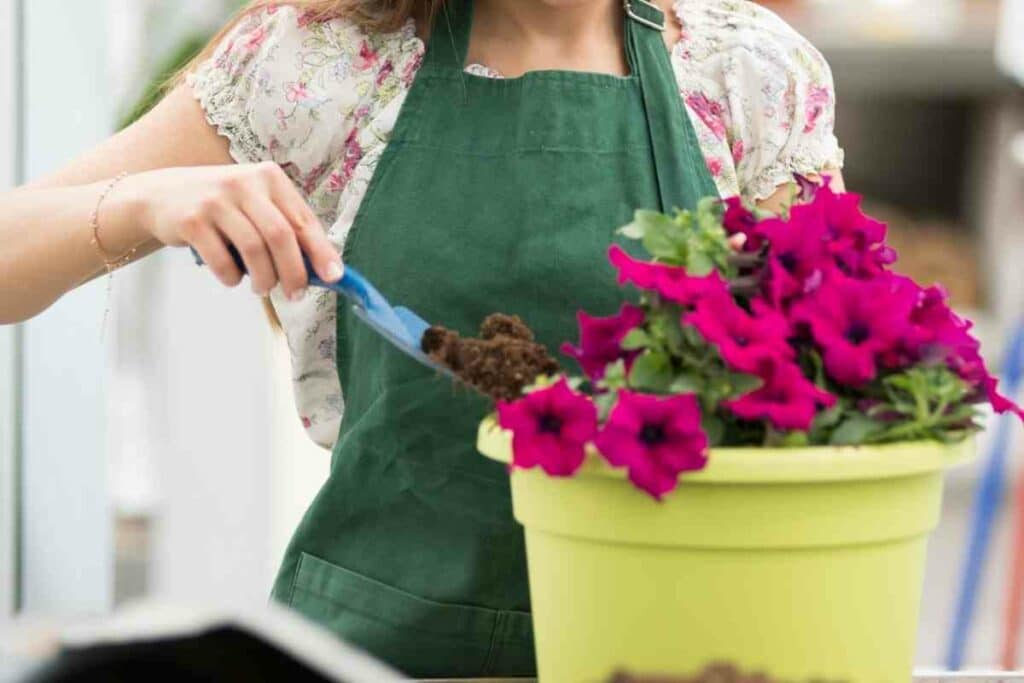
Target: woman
(470, 157)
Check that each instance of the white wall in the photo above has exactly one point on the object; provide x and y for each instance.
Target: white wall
(67, 540)
(181, 414)
(9, 336)
(204, 439)
(201, 402)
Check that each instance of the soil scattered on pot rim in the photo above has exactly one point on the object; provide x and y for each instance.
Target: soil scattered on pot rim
(498, 363)
(716, 673)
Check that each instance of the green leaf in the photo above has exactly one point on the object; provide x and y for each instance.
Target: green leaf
(784, 439)
(718, 387)
(855, 429)
(692, 338)
(664, 326)
(652, 371)
(713, 427)
(540, 382)
(636, 339)
(684, 221)
(827, 418)
(965, 411)
(660, 243)
(614, 376)
(819, 368)
(604, 403)
(646, 221)
(794, 440)
(711, 207)
(743, 383)
(633, 231)
(698, 263)
(686, 384)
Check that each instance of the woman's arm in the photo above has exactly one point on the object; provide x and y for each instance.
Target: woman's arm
(183, 189)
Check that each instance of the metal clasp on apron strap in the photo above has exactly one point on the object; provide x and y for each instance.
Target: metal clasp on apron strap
(657, 25)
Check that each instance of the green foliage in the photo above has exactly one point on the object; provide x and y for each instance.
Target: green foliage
(929, 402)
(855, 428)
(652, 372)
(671, 357)
(169, 66)
(675, 359)
(695, 240)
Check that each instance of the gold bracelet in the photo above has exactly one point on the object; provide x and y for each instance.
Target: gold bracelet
(109, 262)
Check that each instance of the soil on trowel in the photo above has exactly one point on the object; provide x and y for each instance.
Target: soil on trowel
(716, 673)
(499, 363)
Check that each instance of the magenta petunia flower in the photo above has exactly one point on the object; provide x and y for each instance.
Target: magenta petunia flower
(787, 399)
(937, 329)
(601, 340)
(854, 322)
(798, 255)
(550, 427)
(971, 368)
(807, 188)
(656, 438)
(944, 336)
(671, 282)
(855, 240)
(739, 220)
(743, 339)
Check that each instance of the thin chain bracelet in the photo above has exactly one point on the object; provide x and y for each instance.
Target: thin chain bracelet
(110, 263)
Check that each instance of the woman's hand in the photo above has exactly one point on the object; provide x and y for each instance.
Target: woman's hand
(254, 207)
(182, 189)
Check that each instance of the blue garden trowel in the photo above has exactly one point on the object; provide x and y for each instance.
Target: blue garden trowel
(399, 325)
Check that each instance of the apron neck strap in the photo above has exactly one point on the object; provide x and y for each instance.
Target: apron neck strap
(682, 173)
(449, 43)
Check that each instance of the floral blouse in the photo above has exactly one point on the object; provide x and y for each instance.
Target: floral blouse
(321, 100)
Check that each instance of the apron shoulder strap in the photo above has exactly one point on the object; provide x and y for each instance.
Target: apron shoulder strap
(683, 178)
(645, 13)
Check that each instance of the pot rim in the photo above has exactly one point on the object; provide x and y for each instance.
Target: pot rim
(754, 465)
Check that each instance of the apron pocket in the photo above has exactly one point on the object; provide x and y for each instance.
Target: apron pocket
(421, 637)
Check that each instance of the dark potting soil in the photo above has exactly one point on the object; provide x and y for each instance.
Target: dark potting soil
(499, 363)
(716, 673)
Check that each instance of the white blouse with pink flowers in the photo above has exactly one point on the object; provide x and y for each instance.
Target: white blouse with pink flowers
(321, 100)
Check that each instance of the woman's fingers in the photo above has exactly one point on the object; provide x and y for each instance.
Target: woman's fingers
(248, 240)
(280, 236)
(214, 252)
(308, 230)
(322, 254)
(258, 210)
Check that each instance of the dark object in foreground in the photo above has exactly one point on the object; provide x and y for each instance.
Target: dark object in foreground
(151, 642)
(499, 363)
(715, 673)
(222, 654)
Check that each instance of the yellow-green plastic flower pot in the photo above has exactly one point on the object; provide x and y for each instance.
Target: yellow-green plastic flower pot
(802, 563)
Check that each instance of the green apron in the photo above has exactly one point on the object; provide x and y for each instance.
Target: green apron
(492, 195)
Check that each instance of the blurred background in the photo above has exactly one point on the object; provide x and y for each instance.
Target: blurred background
(119, 481)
